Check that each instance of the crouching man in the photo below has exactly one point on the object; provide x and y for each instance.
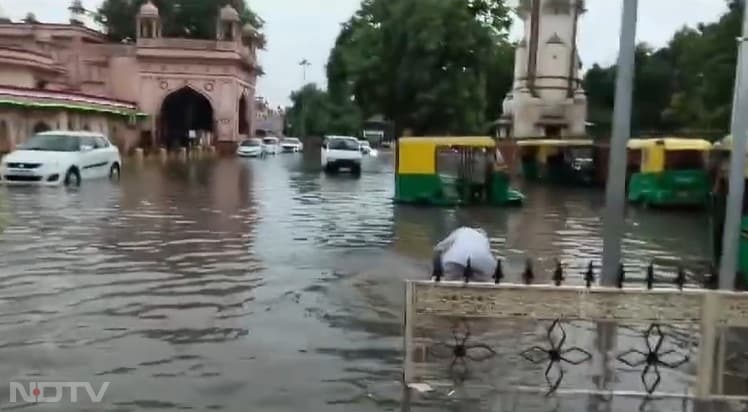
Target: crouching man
(460, 247)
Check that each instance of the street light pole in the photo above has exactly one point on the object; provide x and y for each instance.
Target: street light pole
(734, 207)
(613, 222)
(304, 64)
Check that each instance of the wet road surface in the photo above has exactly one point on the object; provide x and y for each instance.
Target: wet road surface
(261, 284)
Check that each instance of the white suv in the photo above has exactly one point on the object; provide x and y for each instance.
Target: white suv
(61, 157)
(340, 152)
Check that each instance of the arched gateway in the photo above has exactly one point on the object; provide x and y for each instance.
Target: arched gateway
(182, 111)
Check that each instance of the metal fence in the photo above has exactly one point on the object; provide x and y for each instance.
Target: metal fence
(668, 340)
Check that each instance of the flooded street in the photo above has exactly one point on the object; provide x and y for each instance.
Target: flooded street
(260, 284)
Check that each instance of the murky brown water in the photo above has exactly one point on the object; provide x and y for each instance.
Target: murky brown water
(255, 284)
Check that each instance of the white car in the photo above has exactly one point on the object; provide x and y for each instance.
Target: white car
(270, 145)
(339, 152)
(291, 144)
(61, 157)
(367, 149)
(250, 148)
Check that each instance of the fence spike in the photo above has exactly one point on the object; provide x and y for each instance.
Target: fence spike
(680, 278)
(589, 277)
(558, 274)
(438, 271)
(650, 275)
(498, 274)
(528, 276)
(621, 276)
(468, 273)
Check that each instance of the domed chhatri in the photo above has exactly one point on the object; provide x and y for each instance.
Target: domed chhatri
(249, 31)
(148, 9)
(229, 13)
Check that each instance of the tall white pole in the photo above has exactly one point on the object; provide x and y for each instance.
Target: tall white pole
(734, 208)
(615, 196)
(304, 64)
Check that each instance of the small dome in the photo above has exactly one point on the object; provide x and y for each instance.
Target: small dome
(249, 31)
(229, 13)
(148, 10)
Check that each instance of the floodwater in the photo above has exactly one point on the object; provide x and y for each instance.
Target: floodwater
(260, 284)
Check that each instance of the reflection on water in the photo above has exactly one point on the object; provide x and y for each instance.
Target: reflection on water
(214, 285)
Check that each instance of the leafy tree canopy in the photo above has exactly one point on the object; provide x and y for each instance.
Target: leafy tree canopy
(686, 85)
(424, 64)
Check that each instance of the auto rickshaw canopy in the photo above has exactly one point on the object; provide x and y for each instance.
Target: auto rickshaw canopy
(417, 155)
(653, 151)
(670, 143)
(555, 142)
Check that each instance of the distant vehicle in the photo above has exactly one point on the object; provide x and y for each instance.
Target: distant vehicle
(365, 146)
(61, 157)
(291, 144)
(367, 149)
(341, 152)
(250, 148)
(270, 145)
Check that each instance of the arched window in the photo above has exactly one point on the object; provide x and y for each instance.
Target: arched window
(40, 127)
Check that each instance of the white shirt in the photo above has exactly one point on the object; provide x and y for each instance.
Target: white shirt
(467, 243)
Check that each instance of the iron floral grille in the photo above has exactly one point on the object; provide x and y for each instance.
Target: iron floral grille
(556, 355)
(461, 351)
(653, 358)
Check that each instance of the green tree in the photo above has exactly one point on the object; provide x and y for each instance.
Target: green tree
(179, 18)
(30, 18)
(686, 85)
(310, 114)
(423, 63)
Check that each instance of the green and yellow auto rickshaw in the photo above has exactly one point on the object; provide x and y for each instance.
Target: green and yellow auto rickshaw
(719, 167)
(448, 171)
(672, 172)
(559, 161)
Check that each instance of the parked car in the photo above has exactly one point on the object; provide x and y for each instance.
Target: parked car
(250, 148)
(61, 157)
(341, 152)
(291, 144)
(270, 145)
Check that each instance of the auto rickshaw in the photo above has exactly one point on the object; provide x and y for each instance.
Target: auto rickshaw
(719, 167)
(558, 161)
(448, 171)
(672, 172)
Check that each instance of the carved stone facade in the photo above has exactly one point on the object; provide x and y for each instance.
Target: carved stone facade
(72, 59)
(547, 98)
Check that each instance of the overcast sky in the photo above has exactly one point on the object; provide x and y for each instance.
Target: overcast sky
(298, 29)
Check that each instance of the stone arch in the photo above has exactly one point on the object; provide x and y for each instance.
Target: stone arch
(181, 111)
(40, 127)
(5, 143)
(243, 116)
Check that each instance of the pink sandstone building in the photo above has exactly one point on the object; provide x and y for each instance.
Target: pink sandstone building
(152, 91)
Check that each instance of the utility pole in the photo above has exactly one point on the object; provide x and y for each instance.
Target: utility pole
(734, 207)
(304, 64)
(615, 196)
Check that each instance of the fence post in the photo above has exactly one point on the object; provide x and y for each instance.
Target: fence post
(408, 333)
(707, 344)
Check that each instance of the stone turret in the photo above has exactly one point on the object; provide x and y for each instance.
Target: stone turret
(547, 98)
(77, 12)
(148, 21)
(228, 24)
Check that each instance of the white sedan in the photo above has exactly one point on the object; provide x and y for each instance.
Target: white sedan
(61, 157)
(270, 145)
(292, 144)
(250, 148)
